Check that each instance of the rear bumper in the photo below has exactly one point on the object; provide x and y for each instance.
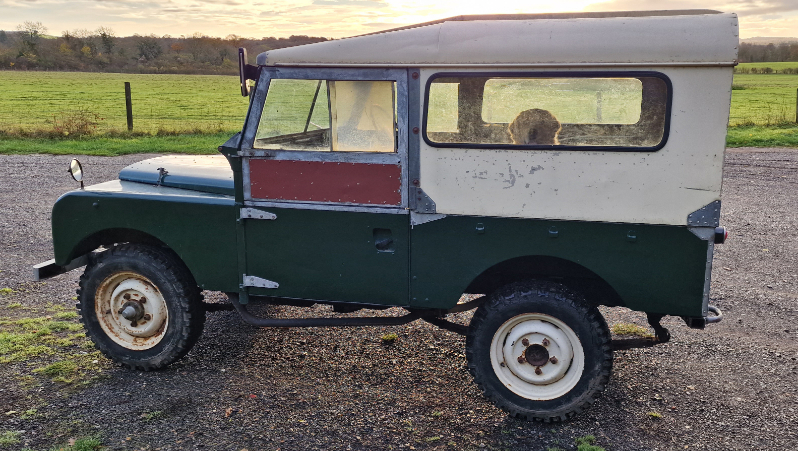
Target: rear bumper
(48, 269)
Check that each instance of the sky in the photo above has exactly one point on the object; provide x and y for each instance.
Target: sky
(341, 18)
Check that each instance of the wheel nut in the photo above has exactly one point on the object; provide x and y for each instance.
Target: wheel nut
(545, 342)
(538, 371)
(148, 317)
(553, 359)
(143, 300)
(521, 359)
(120, 311)
(525, 342)
(126, 296)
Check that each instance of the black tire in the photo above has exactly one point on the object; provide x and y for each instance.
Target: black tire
(174, 311)
(529, 311)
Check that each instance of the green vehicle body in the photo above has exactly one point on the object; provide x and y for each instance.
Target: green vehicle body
(651, 268)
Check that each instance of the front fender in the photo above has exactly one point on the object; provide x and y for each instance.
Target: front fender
(199, 227)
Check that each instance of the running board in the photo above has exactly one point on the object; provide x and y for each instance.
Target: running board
(320, 322)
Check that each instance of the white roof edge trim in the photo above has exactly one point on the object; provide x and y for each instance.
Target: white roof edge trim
(519, 66)
(635, 40)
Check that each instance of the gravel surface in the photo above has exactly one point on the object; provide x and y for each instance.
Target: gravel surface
(733, 386)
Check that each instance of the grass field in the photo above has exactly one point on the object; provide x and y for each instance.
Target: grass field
(185, 103)
(774, 66)
(209, 108)
(204, 143)
(763, 99)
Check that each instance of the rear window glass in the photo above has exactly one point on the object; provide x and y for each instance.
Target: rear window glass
(478, 111)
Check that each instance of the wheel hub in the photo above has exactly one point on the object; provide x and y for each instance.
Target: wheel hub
(131, 310)
(537, 355)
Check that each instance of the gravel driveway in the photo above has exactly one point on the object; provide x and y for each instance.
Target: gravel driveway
(733, 386)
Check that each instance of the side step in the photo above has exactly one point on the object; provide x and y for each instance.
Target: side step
(428, 316)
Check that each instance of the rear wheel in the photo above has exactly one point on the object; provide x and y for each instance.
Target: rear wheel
(140, 306)
(538, 351)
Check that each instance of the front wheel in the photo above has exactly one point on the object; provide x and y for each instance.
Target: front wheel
(538, 351)
(140, 306)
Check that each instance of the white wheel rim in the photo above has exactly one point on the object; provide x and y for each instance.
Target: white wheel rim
(542, 336)
(133, 291)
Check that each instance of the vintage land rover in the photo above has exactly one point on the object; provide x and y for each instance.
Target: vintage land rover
(554, 163)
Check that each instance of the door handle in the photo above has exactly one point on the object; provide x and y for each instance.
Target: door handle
(383, 240)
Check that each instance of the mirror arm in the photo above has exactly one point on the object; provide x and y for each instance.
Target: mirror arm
(251, 72)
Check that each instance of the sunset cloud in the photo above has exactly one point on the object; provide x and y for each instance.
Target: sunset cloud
(339, 18)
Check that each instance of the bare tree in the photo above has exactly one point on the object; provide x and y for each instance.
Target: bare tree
(107, 39)
(30, 32)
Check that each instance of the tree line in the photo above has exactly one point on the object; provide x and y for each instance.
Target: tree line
(768, 53)
(29, 47)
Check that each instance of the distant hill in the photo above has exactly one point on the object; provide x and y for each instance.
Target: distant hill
(760, 40)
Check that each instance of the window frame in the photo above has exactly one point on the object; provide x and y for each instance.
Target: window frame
(550, 74)
(257, 103)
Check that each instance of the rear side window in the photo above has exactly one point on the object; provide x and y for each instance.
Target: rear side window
(624, 111)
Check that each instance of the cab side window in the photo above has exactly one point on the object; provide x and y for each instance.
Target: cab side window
(611, 111)
(328, 115)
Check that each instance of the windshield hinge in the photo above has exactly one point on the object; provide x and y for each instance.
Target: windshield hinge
(252, 213)
(257, 282)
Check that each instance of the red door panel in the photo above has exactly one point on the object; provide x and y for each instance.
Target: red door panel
(318, 181)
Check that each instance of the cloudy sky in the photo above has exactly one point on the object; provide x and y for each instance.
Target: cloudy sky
(339, 18)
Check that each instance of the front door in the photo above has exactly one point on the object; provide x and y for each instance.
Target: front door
(325, 186)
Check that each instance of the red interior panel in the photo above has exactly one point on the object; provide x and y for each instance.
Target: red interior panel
(317, 181)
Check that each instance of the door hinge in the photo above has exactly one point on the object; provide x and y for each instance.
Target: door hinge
(252, 213)
(257, 282)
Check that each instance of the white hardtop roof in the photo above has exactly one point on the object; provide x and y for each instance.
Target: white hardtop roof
(638, 38)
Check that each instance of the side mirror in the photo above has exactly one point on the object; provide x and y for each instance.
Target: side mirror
(245, 71)
(76, 171)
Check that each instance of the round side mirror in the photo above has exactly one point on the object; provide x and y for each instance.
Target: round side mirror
(76, 171)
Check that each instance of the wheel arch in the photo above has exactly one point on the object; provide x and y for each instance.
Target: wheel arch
(113, 236)
(544, 267)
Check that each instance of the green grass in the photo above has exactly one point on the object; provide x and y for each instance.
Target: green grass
(630, 329)
(389, 338)
(31, 100)
(756, 136)
(56, 343)
(763, 99)
(81, 444)
(9, 438)
(113, 146)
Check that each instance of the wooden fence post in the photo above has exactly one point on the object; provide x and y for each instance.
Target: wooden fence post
(129, 106)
